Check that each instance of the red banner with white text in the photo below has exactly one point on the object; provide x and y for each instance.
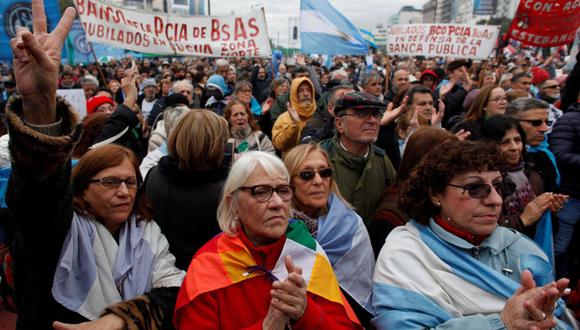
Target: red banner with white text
(546, 23)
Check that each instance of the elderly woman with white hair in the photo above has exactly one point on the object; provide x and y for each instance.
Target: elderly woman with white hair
(263, 256)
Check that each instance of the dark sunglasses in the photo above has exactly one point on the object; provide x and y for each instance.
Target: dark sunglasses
(482, 190)
(112, 182)
(308, 175)
(537, 122)
(552, 87)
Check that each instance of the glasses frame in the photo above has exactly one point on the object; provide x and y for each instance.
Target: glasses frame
(498, 99)
(252, 190)
(302, 173)
(471, 189)
(115, 186)
(358, 114)
(537, 122)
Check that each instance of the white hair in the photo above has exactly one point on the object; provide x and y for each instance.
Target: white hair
(239, 174)
(184, 82)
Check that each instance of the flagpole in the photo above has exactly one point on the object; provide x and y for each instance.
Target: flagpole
(98, 66)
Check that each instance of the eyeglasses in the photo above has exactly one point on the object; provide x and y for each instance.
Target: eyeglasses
(308, 175)
(365, 114)
(498, 99)
(112, 182)
(428, 78)
(482, 190)
(552, 87)
(263, 193)
(537, 122)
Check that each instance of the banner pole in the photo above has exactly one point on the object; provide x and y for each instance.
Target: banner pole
(98, 65)
(387, 72)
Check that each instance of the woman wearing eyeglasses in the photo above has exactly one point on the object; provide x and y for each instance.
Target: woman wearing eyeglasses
(261, 272)
(452, 267)
(86, 248)
(333, 223)
(490, 101)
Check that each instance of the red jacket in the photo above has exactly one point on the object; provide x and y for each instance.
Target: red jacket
(244, 305)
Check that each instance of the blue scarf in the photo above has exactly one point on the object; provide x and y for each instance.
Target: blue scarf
(544, 231)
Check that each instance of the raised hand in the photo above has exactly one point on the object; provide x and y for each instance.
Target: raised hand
(293, 113)
(392, 114)
(128, 84)
(443, 91)
(437, 116)
(36, 63)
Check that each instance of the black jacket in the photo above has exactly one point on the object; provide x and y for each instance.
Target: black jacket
(185, 205)
(453, 103)
(120, 120)
(565, 144)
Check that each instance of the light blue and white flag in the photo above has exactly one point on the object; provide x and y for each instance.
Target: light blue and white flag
(368, 37)
(325, 31)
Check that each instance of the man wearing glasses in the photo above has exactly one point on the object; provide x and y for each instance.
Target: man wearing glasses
(550, 92)
(532, 115)
(362, 171)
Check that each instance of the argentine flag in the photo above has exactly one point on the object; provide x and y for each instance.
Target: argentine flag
(324, 30)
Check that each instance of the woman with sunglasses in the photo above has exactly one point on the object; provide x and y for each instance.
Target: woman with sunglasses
(333, 223)
(490, 101)
(86, 248)
(460, 270)
(261, 272)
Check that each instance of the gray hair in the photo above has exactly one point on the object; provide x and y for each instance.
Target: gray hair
(522, 104)
(239, 174)
(334, 75)
(222, 62)
(371, 76)
(179, 83)
(171, 116)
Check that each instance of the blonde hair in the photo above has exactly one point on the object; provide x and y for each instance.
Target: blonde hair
(198, 140)
(294, 159)
(239, 174)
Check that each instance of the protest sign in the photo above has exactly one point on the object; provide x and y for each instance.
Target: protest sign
(76, 98)
(546, 23)
(217, 36)
(447, 40)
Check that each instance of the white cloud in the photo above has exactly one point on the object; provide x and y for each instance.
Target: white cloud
(365, 14)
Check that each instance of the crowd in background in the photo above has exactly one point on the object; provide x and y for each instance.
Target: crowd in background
(358, 137)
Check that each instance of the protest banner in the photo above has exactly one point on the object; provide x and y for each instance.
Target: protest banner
(76, 98)
(446, 40)
(546, 23)
(208, 36)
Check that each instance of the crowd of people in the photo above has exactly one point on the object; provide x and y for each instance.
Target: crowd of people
(202, 193)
